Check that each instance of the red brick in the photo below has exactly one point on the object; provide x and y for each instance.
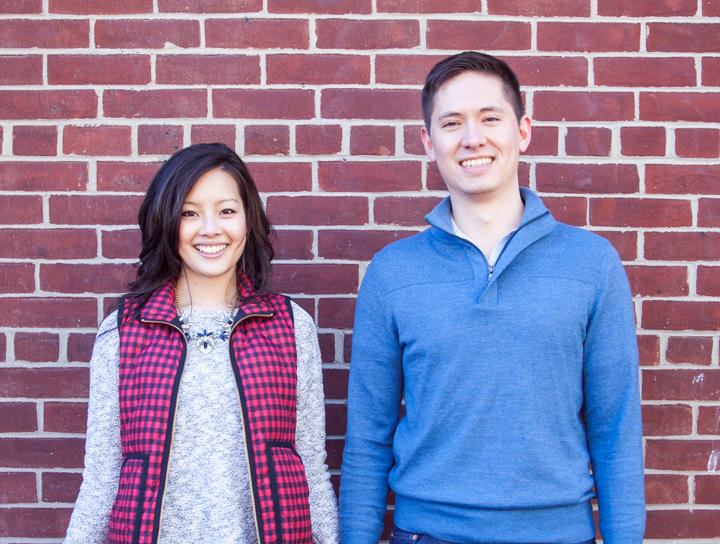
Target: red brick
(100, 7)
(20, 7)
(93, 210)
(317, 210)
(647, 8)
(711, 71)
(670, 524)
(649, 281)
(595, 37)
(435, 182)
(21, 70)
(682, 246)
(483, 35)
(672, 315)
(583, 106)
(98, 69)
(709, 212)
(61, 486)
(207, 69)
(411, 139)
(684, 37)
(263, 103)
(367, 34)
(156, 103)
(682, 179)
(70, 104)
(649, 349)
(406, 211)
(318, 69)
(588, 141)
(48, 244)
(666, 420)
(370, 104)
(710, 8)
(102, 140)
(697, 142)
(336, 313)
(327, 348)
(86, 278)
(359, 245)
(121, 244)
(689, 349)
(17, 278)
(707, 489)
(708, 420)
(209, 134)
(44, 33)
(3, 349)
(37, 347)
(34, 140)
(642, 141)
(336, 7)
(335, 382)
(318, 139)
(708, 281)
(20, 209)
(334, 449)
(18, 417)
(427, 6)
(139, 34)
(640, 212)
(550, 71)
(39, 383)
(678, 455)
(79, 347)
(34, 522)
(645, 72)
(125, 176)
(159, 139)
(694, 107)
(335, 419)
(568, 209)
(666, 488)
(209, 6)
(293, 244)
(404, 69)
(257, 33)
(44, 176)
(281, 176)
(624, 242)
(41, 453)
(370, 176)
(267, 140)
(17, 487)
(316, 279)
(539, 8)
(544, 142)
(587, 178)
(49, 312)
(372, 140)
(65, 417)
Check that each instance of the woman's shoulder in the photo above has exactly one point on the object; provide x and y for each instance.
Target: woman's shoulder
(109, 324)
(303, 320)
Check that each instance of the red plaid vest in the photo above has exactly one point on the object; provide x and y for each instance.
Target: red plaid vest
(262, 352)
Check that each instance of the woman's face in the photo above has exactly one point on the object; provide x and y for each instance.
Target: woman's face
(212, 228)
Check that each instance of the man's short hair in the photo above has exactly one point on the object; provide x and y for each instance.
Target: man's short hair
(471, 61)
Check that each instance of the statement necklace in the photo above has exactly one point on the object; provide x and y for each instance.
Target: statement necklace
(206, 339)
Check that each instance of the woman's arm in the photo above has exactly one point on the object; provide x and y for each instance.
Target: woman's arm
(310, 433)
(103, 453)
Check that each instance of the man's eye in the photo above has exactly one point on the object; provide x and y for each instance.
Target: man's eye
(492, 119)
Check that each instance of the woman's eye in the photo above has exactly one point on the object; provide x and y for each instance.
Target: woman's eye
(188, 213)
(227, 211)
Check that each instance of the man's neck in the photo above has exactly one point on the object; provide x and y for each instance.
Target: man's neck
(486, 221)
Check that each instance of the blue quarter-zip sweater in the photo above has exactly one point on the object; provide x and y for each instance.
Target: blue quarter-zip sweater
(515, 381)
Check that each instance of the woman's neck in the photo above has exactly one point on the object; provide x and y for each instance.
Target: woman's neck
(205, 295)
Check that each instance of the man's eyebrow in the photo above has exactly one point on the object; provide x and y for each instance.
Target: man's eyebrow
(486, 109)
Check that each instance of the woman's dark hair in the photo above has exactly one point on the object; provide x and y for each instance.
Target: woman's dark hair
(471, 61)
(160, 212)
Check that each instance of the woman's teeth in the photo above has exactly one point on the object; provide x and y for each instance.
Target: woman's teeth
(474, 163)
(211, 249)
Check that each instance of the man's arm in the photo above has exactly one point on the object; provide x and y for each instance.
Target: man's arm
(612, 408)
(374, 397)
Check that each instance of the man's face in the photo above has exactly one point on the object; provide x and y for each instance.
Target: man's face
(475, 137)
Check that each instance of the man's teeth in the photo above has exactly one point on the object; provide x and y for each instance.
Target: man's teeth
(474, 163)
(211, 249)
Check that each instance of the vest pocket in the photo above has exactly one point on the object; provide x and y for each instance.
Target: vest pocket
(126, 515)
(289, 493)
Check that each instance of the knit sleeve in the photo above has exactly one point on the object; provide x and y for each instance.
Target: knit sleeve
(103, 452)
(310, 432)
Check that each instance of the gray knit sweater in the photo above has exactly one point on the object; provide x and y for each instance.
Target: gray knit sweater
(207, 496)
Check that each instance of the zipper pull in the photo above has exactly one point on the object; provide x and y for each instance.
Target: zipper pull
(490, 271)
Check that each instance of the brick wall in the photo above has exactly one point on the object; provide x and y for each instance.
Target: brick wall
(322, 98)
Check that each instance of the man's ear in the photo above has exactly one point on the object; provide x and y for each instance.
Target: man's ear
(525, 132)
(427, 142)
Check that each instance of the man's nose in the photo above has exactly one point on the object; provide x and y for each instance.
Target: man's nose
(473, 135)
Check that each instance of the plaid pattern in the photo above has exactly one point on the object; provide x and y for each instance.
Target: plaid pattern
(152, 355)
(290, 492)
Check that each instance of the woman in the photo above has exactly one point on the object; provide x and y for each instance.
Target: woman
(206, 419)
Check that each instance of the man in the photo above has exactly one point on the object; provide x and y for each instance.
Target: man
(512, 339)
